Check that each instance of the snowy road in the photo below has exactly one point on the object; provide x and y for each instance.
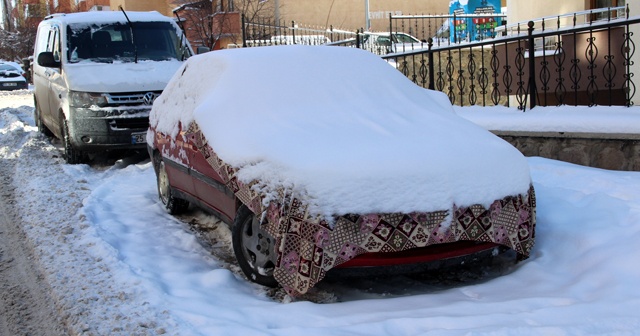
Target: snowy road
(113, 263)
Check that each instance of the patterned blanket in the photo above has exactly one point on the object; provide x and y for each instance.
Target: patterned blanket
(309, 246)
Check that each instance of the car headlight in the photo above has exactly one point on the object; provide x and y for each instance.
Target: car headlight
(87, 99)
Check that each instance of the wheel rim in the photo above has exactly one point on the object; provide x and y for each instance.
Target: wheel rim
(163, 184)
(257, 247)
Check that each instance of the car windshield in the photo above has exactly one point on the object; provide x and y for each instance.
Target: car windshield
(404, 38)
(110, 42)
(8, 71)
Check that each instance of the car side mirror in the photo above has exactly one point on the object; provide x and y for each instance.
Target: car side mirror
(47, 60)
(202, 50)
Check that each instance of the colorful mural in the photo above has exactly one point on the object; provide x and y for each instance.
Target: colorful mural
(476, 28)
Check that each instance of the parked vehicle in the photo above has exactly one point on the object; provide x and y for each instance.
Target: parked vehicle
(322, 157)
(12, 77)
(385, 43)
(97, 74)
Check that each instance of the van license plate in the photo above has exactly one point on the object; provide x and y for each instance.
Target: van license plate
(138, 138)
(10, 84)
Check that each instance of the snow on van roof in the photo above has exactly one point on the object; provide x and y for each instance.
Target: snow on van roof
(111, 16)
(341, 126)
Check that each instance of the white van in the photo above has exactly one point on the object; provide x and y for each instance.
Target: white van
(96, 75)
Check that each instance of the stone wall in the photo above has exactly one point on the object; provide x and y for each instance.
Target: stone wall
(607, 151)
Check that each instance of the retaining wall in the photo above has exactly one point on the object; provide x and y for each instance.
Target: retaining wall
(607, 151)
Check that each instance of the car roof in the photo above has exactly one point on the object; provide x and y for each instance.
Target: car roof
(108, 16)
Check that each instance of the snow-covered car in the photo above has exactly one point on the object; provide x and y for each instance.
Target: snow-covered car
(11, 77)
(323, 157)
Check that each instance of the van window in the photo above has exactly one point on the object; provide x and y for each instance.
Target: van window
(156, 41)
(51, 43)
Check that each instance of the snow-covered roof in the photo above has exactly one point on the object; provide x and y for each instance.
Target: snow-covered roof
(341, 126)
(110, 16)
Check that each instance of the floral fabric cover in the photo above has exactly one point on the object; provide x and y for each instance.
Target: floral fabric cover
(308, 246)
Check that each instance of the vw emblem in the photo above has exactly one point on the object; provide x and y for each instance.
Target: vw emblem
(148, 98)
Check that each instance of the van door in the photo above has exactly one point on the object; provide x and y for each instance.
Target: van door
(41, 74)
(57, 86)
(49, 81)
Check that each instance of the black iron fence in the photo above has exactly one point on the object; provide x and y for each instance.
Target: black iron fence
(586, 64)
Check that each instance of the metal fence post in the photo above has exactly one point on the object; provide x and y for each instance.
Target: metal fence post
(244, 33)
(455, 34)
(293, 31)
(431, 69)
(533, 92)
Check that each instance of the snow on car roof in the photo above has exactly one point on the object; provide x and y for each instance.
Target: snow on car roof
(111, 16)
(341, 127)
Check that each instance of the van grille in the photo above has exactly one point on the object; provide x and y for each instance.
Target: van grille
(132, 98)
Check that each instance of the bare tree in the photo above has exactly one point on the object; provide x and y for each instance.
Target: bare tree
(208, 22)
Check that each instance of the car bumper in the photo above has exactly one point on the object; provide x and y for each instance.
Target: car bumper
(97, 130)
(9, 86)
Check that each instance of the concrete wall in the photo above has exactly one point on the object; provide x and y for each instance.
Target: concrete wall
(522, 11)
(349, 14)
(606, 151)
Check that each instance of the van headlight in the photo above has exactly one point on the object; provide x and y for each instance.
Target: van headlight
(87, 99)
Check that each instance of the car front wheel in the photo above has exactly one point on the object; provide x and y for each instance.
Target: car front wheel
(71, 154)
(254, 248)
(37, 117)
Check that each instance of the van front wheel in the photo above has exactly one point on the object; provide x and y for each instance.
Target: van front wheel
(71, 154)
(37, 117)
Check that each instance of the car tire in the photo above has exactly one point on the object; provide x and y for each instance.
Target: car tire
(173, 205)
(37, 117)
(71, 154)
(254, 248)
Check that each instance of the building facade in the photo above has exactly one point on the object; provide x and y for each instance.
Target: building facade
(165, 7)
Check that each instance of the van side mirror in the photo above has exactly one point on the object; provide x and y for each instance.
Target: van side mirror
(47, 60)
(202, 50)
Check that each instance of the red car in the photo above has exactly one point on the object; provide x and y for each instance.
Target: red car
(351, 166)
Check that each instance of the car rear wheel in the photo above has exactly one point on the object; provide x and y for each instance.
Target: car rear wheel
(254, 248)
(172, 204)
(71, 154)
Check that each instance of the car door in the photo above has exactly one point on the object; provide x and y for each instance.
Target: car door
(209, 185)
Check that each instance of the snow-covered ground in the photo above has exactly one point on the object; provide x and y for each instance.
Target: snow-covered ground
(117, 264)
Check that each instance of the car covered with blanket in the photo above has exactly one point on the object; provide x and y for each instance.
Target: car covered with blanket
(322, 157)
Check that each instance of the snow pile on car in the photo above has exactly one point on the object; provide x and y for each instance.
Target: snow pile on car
(339, 127)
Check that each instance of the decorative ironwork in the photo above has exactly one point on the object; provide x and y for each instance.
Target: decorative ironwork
(495, 64)
(609, 69)
(507, 78)
(472, 71)
(483, 80)
(460, 82)
(521, 92)
(628, 49)
(449, 69)
(424, 73)
(591, 54)
(559, 58)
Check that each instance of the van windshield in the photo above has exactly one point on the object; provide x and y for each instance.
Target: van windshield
(156, 41)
